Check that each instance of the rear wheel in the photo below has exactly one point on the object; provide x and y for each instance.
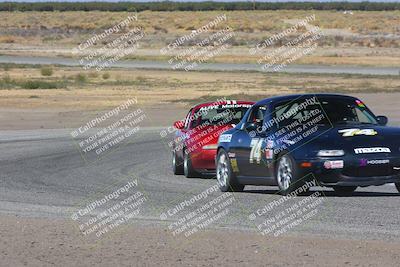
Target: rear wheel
(344, 191)
(287, 175)
(225, 177)
(177, 164)
(188, 169)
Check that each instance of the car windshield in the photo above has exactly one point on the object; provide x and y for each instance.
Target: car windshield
(336, 110)
(219, 115)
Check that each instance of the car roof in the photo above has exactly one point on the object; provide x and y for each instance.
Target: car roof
(275, 99)
(225, 102)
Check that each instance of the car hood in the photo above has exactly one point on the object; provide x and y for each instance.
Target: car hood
(349, 138)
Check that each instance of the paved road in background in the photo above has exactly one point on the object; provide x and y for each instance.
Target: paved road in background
(135, 64)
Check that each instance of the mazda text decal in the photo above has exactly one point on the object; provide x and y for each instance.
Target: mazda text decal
(372, 150)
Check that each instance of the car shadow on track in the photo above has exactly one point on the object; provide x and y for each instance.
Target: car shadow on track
(207, 176)
(328, 193)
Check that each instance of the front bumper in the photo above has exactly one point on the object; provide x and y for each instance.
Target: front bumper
(352, 174)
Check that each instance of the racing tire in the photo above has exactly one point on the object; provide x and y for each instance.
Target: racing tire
(287, 175)
(397, 186)
(344, 191)
(177, 164)
(188, 169)
(226, 178)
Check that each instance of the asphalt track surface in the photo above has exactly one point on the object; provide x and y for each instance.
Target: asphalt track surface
(43, 174)
(135, 64)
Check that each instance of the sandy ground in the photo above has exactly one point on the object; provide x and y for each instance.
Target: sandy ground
(341, 56)
(160, 114)
(28, 119)
(50, 242)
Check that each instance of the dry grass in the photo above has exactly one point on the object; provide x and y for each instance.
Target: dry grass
(162, 27)
(56, 33)
(7, 39)
(362, 22)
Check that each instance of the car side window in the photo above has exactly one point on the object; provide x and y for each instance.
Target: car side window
(283, 108)
(363, 117)
(257, 115)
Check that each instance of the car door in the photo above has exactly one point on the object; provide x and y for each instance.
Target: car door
(251, 144)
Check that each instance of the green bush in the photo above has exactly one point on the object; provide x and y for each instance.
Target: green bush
(80, 78)
(6, 82)
(106, 76)
(7, 79)
(40, 85)
(46, 71)
(141, 79)
(6, 67)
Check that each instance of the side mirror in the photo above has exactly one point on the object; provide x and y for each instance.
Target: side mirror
(382, 120)
(179, 125)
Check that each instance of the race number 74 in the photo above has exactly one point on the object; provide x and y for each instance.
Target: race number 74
(354, 132)
(255, 153)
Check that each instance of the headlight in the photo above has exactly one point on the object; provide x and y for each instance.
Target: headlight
(210, 147)
(330, 153)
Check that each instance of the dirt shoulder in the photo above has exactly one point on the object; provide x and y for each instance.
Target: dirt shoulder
(47, 242)
(30, 117)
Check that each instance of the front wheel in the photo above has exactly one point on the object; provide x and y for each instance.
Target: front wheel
(287, 175)
(226, 179)
(344, 191)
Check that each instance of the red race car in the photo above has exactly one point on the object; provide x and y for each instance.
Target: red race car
(195, 144)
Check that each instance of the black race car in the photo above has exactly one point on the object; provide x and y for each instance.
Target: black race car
(288, 141)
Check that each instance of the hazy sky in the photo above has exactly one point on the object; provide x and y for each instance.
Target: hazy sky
(198, 1)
